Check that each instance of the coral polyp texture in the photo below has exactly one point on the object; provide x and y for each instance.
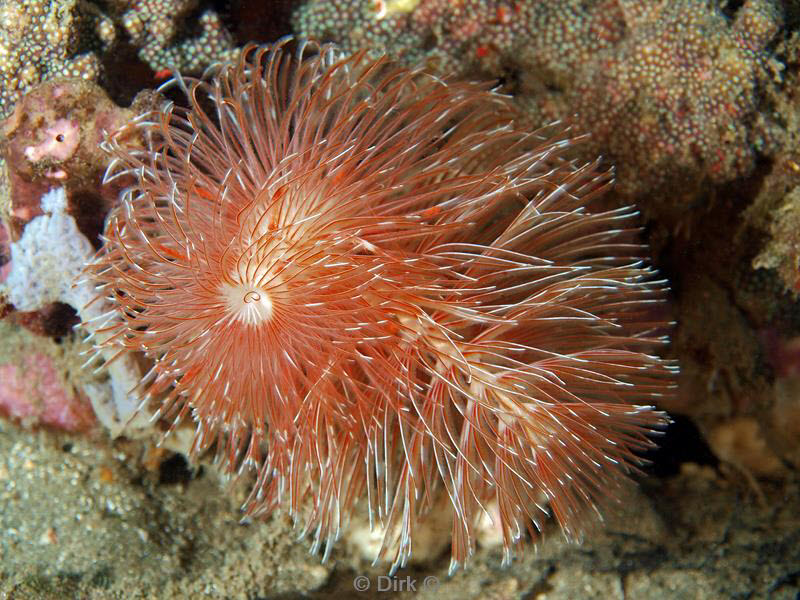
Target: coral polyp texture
(39, 40)
(377, 289)
(670, 90)
(42, 40)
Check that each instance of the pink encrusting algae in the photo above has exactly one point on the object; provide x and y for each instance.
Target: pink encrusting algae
(374, 287)
(34, 392)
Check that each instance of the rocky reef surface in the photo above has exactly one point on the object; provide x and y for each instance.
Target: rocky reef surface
(695, 103)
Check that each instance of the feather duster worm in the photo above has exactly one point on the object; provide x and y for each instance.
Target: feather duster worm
(373, 287)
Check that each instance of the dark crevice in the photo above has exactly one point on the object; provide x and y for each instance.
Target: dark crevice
(681, 443)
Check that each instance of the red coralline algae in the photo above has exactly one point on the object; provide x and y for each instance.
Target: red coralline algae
(59, 144)
(57, 128)
(52, 139)
(371, 285)
(33, 391)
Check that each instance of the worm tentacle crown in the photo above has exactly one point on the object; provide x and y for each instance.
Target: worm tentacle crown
(374, 286)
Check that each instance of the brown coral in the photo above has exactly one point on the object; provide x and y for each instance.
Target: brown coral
(678, 98)
(39, 39)
(668, 90)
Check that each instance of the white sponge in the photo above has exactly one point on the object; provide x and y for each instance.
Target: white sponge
(48, 257)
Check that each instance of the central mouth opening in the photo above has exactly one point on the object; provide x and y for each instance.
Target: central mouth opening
(247, 304)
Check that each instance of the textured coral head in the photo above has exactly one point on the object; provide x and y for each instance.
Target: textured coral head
(376, 288)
